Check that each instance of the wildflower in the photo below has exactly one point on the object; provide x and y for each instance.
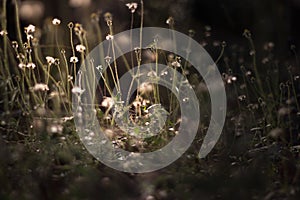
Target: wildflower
(70, 25)
(73, 59)
(107, 59)
(31, 65)
(56, 21)
(109, 37)
(3, 32)
(50, 60)
(70, 78)
(78, 29)
(242, 97)
(176, 64)
(107, 102)
(132, 6)
(14, 44)
(229, 78)
(170, 21)
(56, 61)
(22, 66)
(40, 87)
(30, 29)
(56, 128)
(99, 68)
(29, 36)
(137, 104)
(108, 18)
(77, 90)
(80, 48)
(248, 73)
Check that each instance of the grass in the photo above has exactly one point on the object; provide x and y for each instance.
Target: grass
(260, 141)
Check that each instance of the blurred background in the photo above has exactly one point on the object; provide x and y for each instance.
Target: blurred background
(268, 20)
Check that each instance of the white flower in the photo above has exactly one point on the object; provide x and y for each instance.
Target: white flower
(132, 6)
(29, 36)
(107, 102)
(107, 59)
(40, 87)
(170, 21)
(70, 78)
(176, 64)
(56, 21)
(73, 59)
(77, 90)
(109, 37)
(50, 60)
(3, 32)
(31, 65)
(22, 66)
(80, 48)
(55, 128)
(30, 29)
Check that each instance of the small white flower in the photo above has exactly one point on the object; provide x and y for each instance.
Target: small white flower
(170, 21)
(30, 29)
(56, 128)
(107, 59)
(73, 59)
(40, 87)
(70, 78)
(56, 21)
(132, 6)
(176, 64)
(109, 37)
(31, 65)
(80, 48)
(50, 60)
(29, 36)
(77, 90)
(99, 68)
(107, 102)
(22, 66)
(3, 32)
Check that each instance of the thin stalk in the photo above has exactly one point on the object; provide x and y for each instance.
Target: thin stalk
(18, 27)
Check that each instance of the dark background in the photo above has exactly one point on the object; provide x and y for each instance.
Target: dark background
(268, 20)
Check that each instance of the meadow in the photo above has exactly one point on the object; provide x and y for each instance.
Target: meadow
(42, 156)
